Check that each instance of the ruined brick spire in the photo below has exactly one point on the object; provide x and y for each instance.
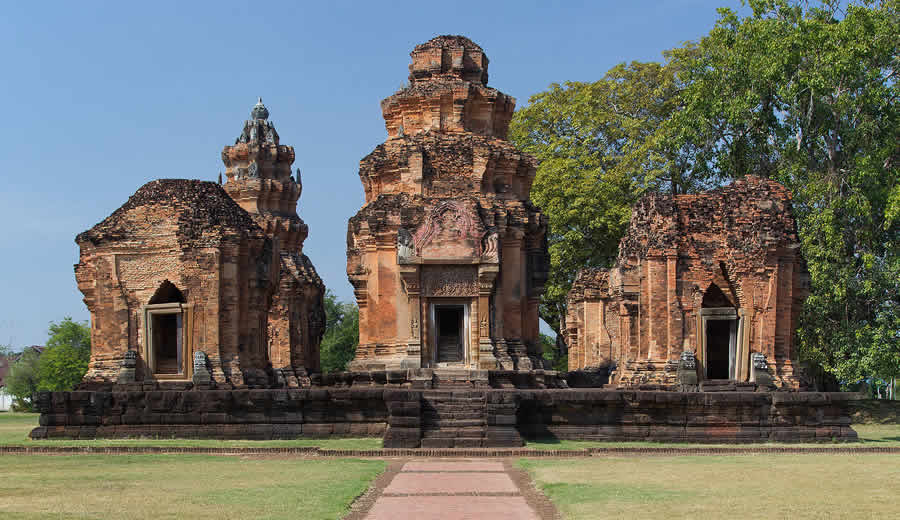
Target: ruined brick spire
(448, 93)
(259, 178)
(447, 211)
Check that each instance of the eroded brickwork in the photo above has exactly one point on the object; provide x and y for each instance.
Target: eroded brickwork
(192, 235)
(717, 273)
(259, 178)
(447, 220)
(222, 269)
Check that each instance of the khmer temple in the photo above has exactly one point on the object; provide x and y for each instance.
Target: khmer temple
(714, 280)
(207, 316)
(188, 280)
(448, 257)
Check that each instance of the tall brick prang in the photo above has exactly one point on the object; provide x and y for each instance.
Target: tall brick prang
(448, 257)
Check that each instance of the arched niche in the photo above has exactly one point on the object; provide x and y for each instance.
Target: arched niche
(165, 338)
(167, 293)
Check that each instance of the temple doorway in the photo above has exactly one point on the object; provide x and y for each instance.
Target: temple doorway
(721, 339)
(449, 333)
(167, 343)
(164, 333)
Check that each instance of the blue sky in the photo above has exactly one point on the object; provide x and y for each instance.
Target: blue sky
(102, 97)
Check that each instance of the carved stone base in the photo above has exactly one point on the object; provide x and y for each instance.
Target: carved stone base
(486, 358)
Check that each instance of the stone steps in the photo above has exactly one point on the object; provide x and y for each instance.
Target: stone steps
(445, 409)
(453, 423)
(454, 419)
(457, 416)
(453, 443)
(464, 432)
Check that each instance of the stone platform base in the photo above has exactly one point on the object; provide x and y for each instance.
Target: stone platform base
(457, 418)
(443, 378)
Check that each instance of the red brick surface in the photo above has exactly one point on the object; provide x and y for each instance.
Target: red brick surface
(474, 465)
(409, 483)
(423, 488)
(451, 508)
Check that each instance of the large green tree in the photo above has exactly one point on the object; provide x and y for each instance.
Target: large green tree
(803, 92)
(599, 153)
(807, 94)
(65, 358)
(22, 380)
(341, 334)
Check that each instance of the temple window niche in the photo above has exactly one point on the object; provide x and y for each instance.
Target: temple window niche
(165, 339)
(721, 331)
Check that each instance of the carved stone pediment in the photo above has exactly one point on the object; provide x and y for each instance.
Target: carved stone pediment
(450, 281)
(450, 230)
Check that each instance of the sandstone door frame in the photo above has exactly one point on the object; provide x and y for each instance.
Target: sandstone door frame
(184, 348)
(737, 345)
(466, 304)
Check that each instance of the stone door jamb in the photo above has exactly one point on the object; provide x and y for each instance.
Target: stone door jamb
(740, 348)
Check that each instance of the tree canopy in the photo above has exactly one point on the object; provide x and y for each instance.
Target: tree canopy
(341, 334)
(60, 367)
(590, 139)
(802, 92)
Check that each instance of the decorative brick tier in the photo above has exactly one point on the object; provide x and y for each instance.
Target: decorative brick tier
(474, 418)
(427, 378)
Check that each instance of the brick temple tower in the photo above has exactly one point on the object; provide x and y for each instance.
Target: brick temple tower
(260, 180)
(448, 257)
(715, 276)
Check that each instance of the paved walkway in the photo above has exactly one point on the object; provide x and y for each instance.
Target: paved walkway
(460, 489)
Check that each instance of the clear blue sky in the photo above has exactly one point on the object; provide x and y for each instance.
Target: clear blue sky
(99, 98)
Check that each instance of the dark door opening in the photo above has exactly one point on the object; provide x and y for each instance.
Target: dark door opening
(166, 343)
(718, 349)
(448, 324)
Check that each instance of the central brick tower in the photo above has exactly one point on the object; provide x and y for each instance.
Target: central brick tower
(448, 257)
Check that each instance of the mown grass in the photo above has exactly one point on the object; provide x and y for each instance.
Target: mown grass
(869, 435)
(759, 486)
(15, 427)
(180, 486)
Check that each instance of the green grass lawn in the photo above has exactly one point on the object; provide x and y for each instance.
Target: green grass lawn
(180, 486)
(756, 486)
(15, 427)
(869, 435)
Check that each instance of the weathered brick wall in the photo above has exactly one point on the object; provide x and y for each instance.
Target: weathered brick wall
(192, 235)
(733, 247)
(400, 415)
(218, 414)
(685, 416)
(253, 300)
(260, 180)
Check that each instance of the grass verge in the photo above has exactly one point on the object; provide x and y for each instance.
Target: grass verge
(181, 486)
(761, 486)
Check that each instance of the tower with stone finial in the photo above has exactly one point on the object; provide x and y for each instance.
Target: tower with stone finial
(259, 178)
(448, 257)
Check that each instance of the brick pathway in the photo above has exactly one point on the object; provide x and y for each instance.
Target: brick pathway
(458, 490)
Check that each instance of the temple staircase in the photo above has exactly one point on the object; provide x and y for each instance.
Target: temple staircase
(454, 419)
